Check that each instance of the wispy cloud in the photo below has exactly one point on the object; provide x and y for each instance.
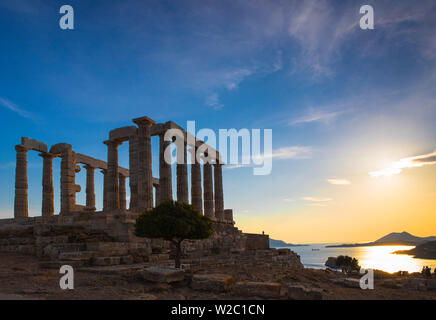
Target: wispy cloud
(322, 29)
(317, 115)
(283, 153)
(292, 152)
(316, 199)
(14, 108)
(213, 102)
(317, 204)
(411, 162)
(341, 182)
(233, 78)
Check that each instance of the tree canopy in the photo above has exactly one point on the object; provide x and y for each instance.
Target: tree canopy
(347, 263)
(175, 222)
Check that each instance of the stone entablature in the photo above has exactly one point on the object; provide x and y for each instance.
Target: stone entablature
(206, 197)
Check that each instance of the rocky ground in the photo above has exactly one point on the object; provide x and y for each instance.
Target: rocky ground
(25, 276)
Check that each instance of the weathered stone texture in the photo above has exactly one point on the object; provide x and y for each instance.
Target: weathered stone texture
(21, 186)
(144, 172)
(299, 292)
(257, 289)
(165, 175)
(196, 193)
(212, 282)
(208, 191)
(182, 177)
(90, 188)
(163, 275)
(218, 191)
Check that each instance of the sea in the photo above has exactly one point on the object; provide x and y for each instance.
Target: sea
(371, 257)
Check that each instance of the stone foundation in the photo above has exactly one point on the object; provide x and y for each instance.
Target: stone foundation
(91, 237)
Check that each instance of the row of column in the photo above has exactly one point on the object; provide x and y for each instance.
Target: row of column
(68, 171)
(141, 180)
(212, 185)
(21, 185)
(90, 189)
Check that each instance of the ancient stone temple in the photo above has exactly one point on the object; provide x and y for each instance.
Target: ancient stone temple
(81, 233)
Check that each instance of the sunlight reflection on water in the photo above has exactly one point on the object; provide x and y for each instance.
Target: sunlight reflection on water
(377, 257)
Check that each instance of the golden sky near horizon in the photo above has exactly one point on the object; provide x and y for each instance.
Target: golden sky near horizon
(364, 210)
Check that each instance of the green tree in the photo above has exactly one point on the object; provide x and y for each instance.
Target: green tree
(348, 264)
(175, 222)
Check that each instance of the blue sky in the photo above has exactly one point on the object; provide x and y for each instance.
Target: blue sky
(341, 101)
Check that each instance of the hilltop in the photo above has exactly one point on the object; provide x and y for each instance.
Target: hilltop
(394, 238)
(280, 243)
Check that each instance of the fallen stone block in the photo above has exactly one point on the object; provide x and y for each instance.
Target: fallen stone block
(212, 282)
(391, 284)
(351, 283)
(416, 284)
(431, 284)
(163, 275)
(147, 296)
(115, 269)
(257, 289)
(127, 260)
(77, 256)
(57, 264)
(298, 292)
(106, 261)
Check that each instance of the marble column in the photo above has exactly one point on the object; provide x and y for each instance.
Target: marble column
(47, 185)
(122, 191)
(21, 186)
(104, 171)
(90, 188)
(196, 196)
(208, 190)
(113, 200)
(68, 181)
(182, 177)
(133, 168)
(165, 174)
(218, 191)
(144, 173)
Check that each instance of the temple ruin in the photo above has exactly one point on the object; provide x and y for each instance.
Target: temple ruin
(82, 235)
(139, 174)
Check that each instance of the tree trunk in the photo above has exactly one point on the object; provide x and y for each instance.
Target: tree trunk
(178, 254)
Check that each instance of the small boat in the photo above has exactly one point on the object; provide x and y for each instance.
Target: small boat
(315, 249)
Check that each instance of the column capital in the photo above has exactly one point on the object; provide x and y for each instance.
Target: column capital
(144, 121)
(114, 143)
(21, 148)
(47, 155)
(89, 167)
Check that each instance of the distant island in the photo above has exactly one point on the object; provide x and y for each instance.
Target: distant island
(394, 238)
(426, 250)
(279, 243)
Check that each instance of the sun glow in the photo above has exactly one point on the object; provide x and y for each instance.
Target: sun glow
(411, 162)
(382, 258)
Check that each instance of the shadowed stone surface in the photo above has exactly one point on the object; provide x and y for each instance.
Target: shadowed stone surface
(212, 282)
(164, 275)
